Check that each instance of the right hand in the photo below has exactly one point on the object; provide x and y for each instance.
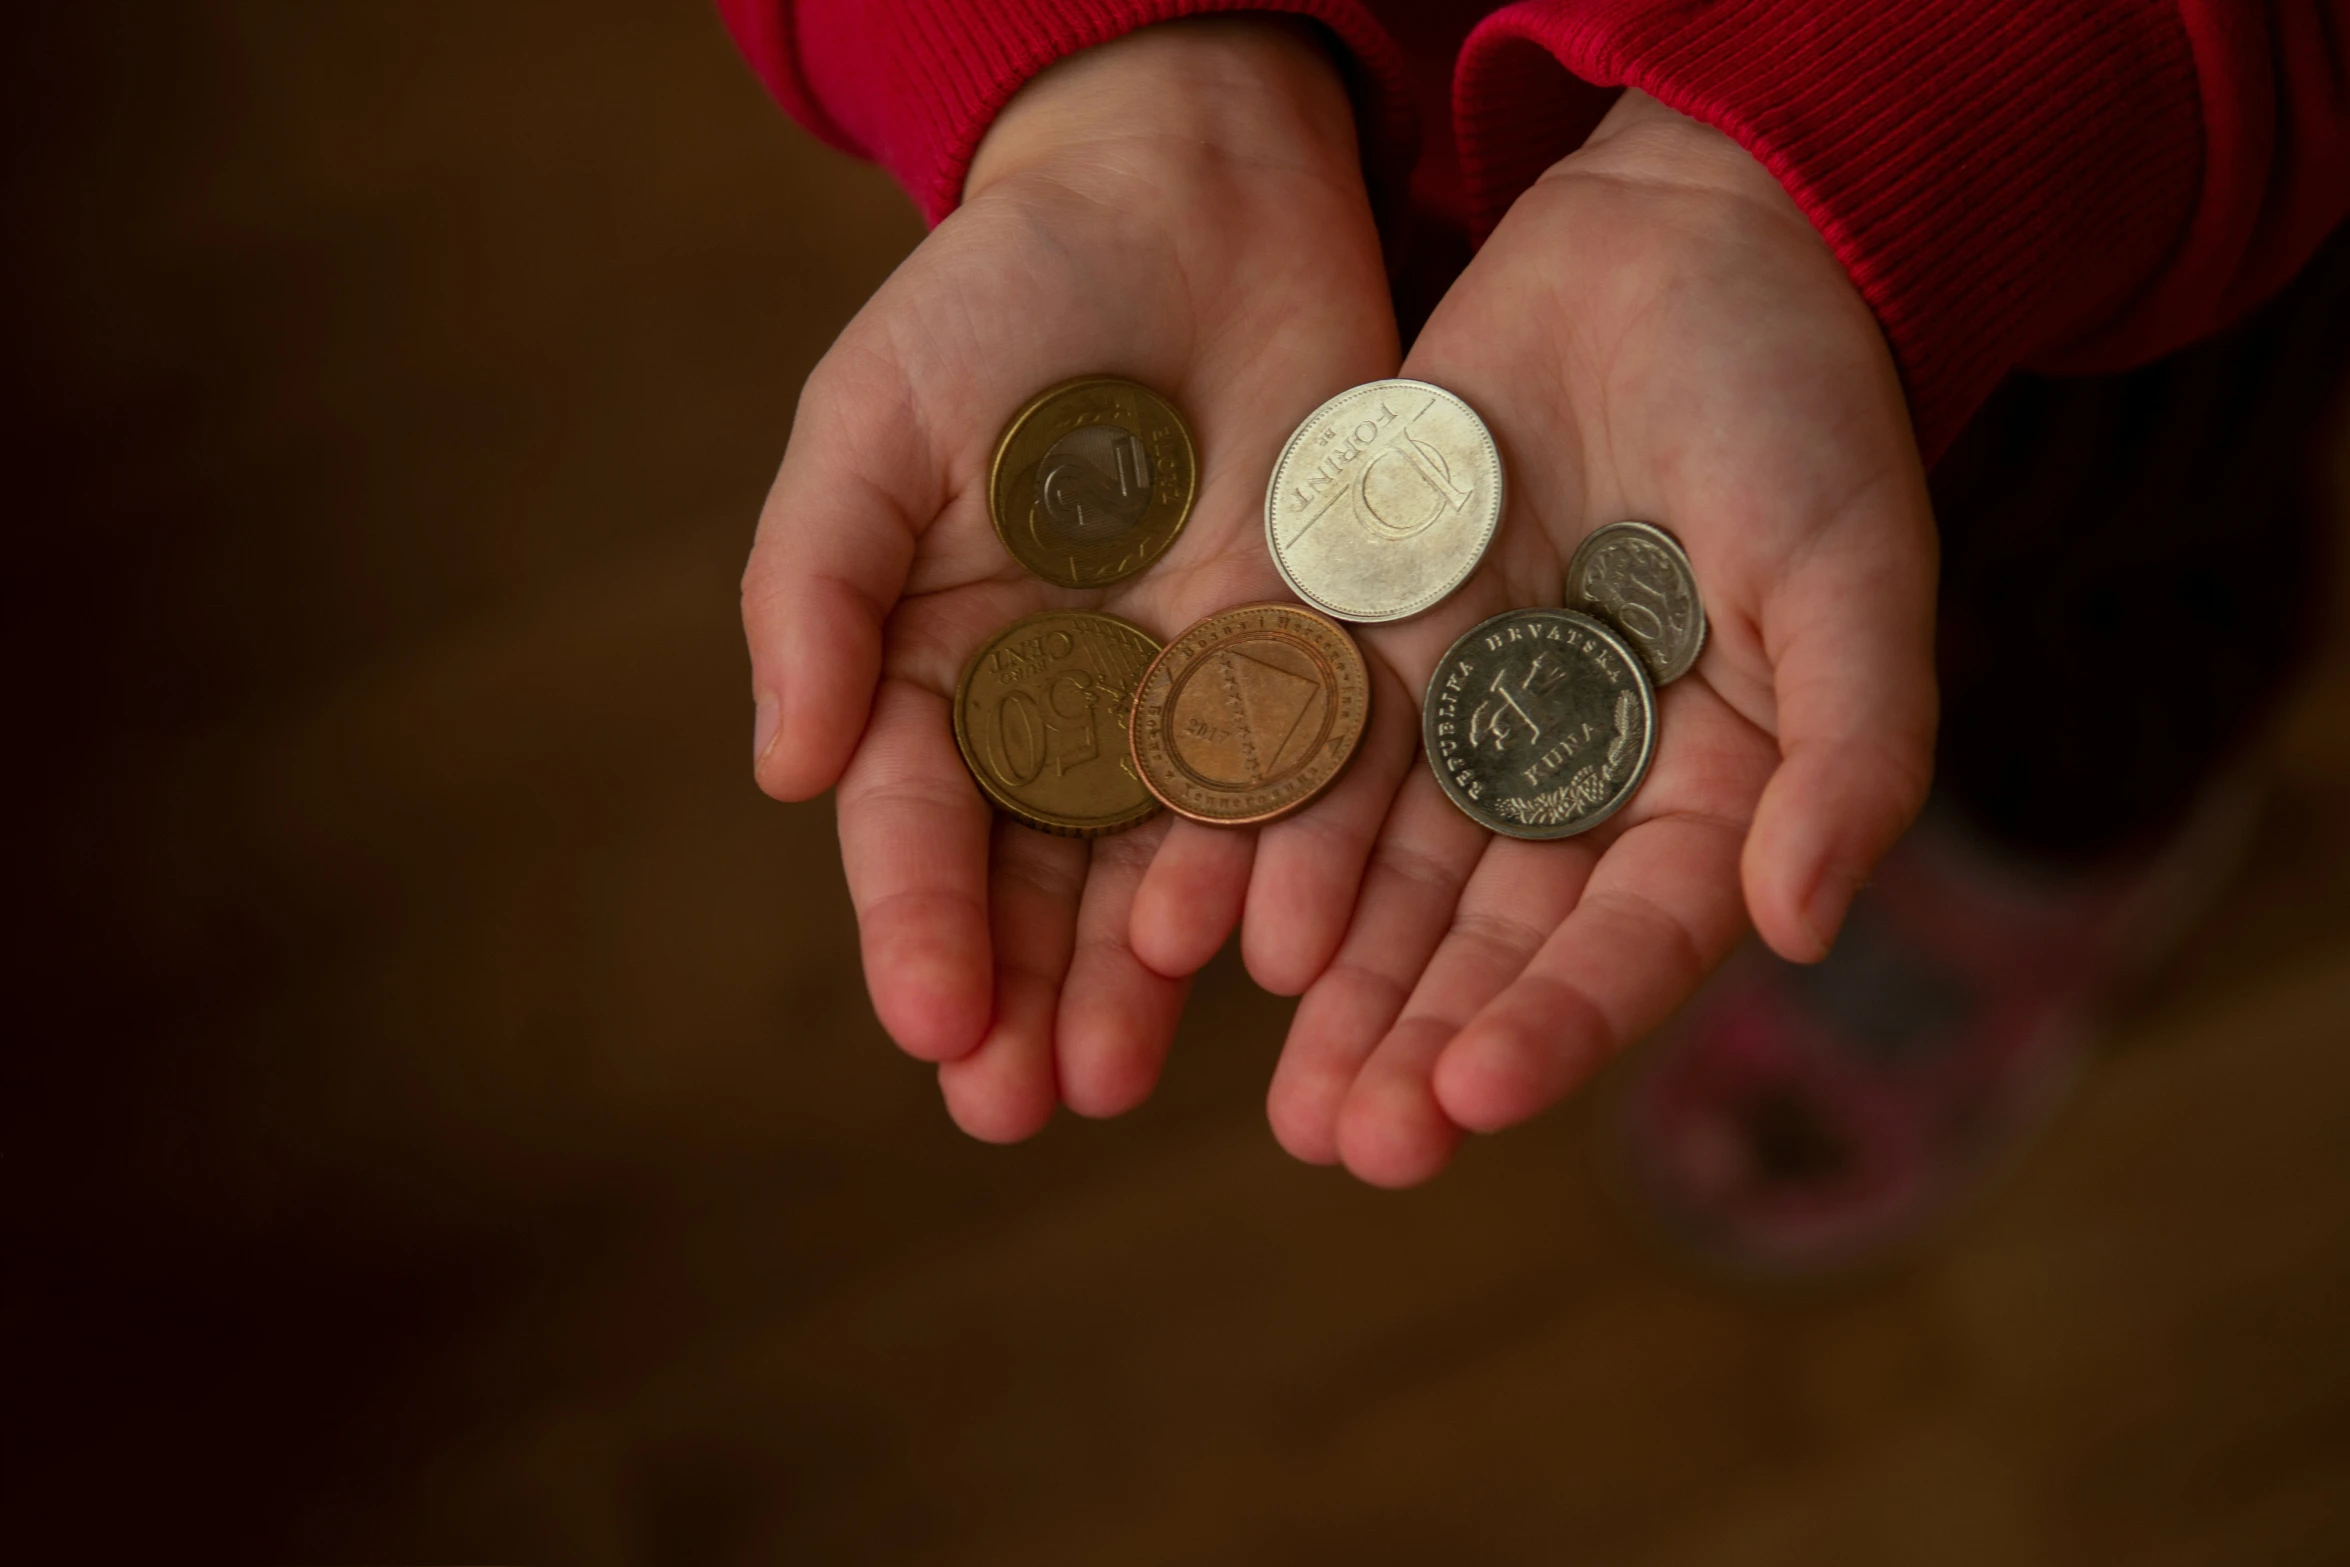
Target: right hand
(1184, 207)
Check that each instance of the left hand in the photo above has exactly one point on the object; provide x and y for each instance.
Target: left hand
(1184, 205)
(1654, 331)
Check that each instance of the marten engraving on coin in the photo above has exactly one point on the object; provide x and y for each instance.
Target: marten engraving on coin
(1540, 723)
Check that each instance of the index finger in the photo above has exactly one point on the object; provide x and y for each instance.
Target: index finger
(1662, 907)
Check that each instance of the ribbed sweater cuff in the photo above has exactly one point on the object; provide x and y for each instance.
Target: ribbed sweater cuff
(1999, 177)
(914, 84)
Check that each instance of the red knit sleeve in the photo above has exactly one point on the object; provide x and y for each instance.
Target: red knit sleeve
(2009, 182)
(914, 84)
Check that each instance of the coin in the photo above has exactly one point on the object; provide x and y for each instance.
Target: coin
(1250, 714)
(1384, 500)
(1040, 717)
(1636, 577)
(1540, 723)
(1092, 480)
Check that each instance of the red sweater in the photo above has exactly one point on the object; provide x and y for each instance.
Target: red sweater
(2063, 186)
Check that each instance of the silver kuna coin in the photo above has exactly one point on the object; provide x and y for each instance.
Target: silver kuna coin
(1384, 500)
(1636, 577)
(1540, 723)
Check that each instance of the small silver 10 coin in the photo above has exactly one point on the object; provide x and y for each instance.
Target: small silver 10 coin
(1384, 500)
(1636, 577)
(1540, 723)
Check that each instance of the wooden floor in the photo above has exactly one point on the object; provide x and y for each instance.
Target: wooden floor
(444, 1120)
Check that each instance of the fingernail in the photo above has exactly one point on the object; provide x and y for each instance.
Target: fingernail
(763, 727)
(1825, 912)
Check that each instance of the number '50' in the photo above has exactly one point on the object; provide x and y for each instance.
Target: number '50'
(1027, 736)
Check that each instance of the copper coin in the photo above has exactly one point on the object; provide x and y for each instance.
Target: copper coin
(1040, 717)
(1092, 481)
(1250, 714)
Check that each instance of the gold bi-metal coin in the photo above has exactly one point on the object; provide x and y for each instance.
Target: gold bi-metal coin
(1041, 715)
(1250, 714)
(1092, 481)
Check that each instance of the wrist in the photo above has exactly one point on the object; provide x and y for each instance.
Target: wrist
(1641, 135)
(1262, 90)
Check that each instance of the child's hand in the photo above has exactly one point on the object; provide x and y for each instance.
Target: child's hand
(1185, 208)
(1654, 331)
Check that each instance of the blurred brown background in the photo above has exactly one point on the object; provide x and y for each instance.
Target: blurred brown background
(442, 1116)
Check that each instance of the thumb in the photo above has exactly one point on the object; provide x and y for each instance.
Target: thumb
(1851, 640)
(835, 540)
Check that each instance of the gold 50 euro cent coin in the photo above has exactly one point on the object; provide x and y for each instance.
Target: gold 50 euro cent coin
(1092, 481)
(1250, 714)
(1040, 717)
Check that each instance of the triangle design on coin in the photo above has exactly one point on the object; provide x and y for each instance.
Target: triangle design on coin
(1275, 703)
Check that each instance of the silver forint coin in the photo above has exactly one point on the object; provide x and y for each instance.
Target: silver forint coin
(1540, 723)
(1636, 577)
(1384, 500)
